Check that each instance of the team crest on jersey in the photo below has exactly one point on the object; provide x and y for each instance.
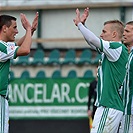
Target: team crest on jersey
(12, 47)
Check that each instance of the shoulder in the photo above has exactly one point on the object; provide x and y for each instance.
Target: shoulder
(119, 47)
(3, 45)
(115, 45)
(11, 43)
(111, 44)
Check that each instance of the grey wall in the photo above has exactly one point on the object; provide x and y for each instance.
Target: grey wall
(58, 23)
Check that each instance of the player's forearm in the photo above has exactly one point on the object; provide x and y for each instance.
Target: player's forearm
(26, 44)
(89, 36)
(20, 41)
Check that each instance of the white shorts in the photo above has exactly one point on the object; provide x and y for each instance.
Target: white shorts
(126, 124)
(106, 120)
(4, 115)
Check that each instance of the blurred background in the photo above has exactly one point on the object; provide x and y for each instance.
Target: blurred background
(49, 87)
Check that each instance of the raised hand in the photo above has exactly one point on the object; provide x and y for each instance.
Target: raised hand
(35, 23)
(77, 19)
(25, 22)
(84, 15)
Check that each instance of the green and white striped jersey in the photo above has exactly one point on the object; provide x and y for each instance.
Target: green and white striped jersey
(7, 52)
(111, 74)
(128, 85)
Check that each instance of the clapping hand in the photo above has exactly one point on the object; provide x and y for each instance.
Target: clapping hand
(83, 18)
(35, 23)
(25, 22)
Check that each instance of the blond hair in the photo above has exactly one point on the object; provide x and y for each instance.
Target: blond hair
(117, 25)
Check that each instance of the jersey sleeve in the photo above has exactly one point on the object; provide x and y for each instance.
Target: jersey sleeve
(112, 50)
(8, 51)
(89, 36)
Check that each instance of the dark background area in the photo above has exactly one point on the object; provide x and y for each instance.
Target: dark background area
(49, 126)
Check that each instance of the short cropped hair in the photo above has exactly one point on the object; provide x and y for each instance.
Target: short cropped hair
(129, 23)
(116, 25)
(6, 20)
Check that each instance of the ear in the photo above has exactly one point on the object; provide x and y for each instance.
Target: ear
(4, 28)
(114, 34)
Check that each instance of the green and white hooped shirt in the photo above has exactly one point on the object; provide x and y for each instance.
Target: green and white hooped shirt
(111, 74)
(7, 52)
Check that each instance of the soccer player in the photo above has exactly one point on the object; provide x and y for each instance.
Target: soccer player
(111, 72)
(127, 121)
(10, 50)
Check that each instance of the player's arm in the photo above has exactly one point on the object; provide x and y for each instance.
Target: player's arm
(24, 48)
(33, 28)
(90, 37)
(84, 16)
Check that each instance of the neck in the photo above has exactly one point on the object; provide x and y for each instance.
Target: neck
(130, 47)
